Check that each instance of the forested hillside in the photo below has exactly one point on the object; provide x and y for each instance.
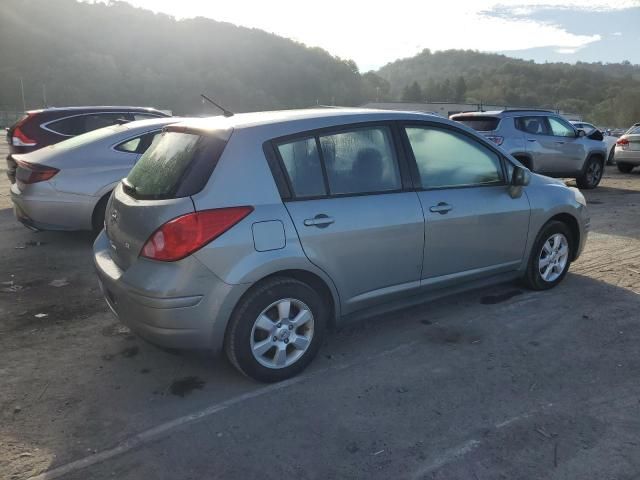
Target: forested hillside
(117, 54)
(604, 93)
(81, 53)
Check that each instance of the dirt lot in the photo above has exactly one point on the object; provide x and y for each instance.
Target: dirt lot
(496, 383)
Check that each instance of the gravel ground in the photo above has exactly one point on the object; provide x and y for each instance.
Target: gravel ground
(495, 383)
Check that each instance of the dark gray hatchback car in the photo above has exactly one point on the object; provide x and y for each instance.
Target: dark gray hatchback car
(252, 234)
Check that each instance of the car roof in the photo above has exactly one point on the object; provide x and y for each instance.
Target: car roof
(501, 113)
(152, 122)
(335, 116)
(97, 108)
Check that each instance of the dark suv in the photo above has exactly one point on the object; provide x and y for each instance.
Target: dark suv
(544, 142)
(39, 128)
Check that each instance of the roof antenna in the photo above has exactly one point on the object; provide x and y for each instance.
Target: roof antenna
(225, 112)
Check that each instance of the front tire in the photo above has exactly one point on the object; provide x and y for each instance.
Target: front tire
(624, 167)
(592, 174)
(97, 219)
(550, 256)
(276, 330)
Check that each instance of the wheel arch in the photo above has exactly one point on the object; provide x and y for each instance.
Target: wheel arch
(312, 279)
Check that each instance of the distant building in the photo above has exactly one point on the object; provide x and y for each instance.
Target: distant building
(446, 109)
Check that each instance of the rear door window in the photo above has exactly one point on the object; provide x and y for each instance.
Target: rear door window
(361, 161)
(480, 124)
(178, 164)
(302, 162)
(534, 125)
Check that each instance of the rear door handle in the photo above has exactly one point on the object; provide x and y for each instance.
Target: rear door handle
(560, 143)
(442, 208)
(321, 221)
(531, 139)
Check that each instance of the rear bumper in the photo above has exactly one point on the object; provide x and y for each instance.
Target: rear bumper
(171, 304)
(631, 157)
(42, 207)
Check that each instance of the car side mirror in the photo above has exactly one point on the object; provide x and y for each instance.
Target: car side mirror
(581, 133)
(520, 177)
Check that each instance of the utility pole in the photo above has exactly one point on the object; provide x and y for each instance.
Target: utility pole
(24, 104)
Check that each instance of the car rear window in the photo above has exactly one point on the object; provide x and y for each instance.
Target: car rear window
(480, 124)
(178, 164)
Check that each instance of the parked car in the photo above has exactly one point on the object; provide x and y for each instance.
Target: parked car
(251, 234)
(40, 128)
(66, 186)
(628, 150)
(595, 133)
(542, 141)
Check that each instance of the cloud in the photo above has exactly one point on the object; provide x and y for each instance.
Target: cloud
(373, 35)
(617, 34)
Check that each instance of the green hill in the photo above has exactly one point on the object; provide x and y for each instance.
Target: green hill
(117, 54)
(604, 93)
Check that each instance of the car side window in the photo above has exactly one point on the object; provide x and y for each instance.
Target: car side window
(560, 128)
(76, 125)
(536, 125)
(360, 161)
(138, 144)
(450, 159)
(302, 163)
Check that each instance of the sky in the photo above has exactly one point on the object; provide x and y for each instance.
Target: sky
(374, 34)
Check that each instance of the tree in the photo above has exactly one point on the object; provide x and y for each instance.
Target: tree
(412, 93)
(460, 89)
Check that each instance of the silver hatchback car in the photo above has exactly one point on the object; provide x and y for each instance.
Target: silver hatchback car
(252, 234)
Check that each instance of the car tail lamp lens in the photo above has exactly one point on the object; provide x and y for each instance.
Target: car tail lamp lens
(182, 236)
(19, 138)
(34, 173)
(495, 139)
(623, 142)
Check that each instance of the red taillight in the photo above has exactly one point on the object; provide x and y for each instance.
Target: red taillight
(18, 137)
(184, 235)
(623, 142)
(495, 139)
(34, 173)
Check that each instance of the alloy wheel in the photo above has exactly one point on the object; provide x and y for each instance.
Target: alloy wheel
(553, 257)
(282, 333)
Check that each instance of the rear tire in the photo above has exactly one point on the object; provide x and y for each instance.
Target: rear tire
(97, 219)
(276, 329)
(592, 174)
(624, 167)
(550, 256)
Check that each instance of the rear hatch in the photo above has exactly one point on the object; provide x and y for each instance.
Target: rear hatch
(484, 124)
(159, 188)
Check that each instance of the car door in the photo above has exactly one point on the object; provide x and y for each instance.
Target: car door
(569, 151)
(539, 143)
(473, 226)
(354, 216)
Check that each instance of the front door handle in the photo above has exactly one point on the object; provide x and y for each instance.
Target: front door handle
(442, 208)
(321, 221)
(531, 139)
(560, 143)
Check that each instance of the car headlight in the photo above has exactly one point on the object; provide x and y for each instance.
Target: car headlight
(579, 196)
